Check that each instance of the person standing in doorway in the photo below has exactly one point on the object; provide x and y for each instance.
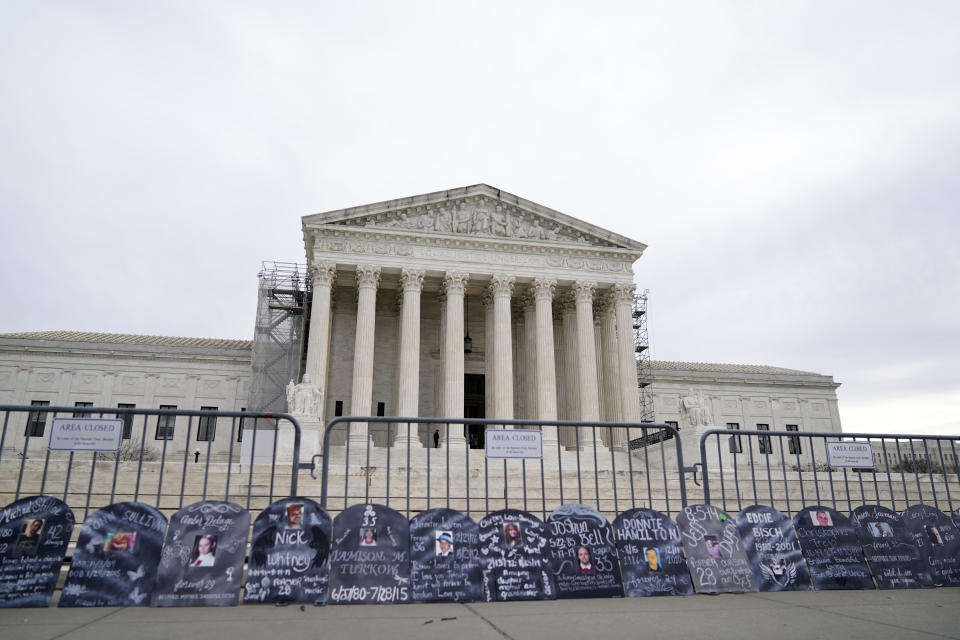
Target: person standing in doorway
(436, 439)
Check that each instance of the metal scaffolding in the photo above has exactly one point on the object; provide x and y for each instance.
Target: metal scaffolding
(641, 345)
(283, 303)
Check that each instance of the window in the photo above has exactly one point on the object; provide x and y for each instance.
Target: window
(338, 408)
(735, 445)
(207, 426)
(80, 405)
(166, 424)
(766, 447)
(37, 420)
(127, 419)
(794, 444)
(380, 409)
(673, 423)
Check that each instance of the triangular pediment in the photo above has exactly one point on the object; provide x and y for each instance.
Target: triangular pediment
(479, 211)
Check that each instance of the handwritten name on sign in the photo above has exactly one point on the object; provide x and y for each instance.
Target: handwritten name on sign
(512, 552)
(583, 556)
(289, 554)
(115, 561)
(201, 564)
(444, 559)
(891, 554)
(771, 544)
(34, 534)
(832, 549)
(370, 561)
(651, 554)
(715, 555)
(937, 540)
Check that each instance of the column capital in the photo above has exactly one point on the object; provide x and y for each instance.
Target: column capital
(527, 300)
(543, 288)
(567, 301)
(501, 285)
(411, 279)
(603, 303)
(486, 298)
(368, 276)
(323, 273)
(455, 282)
(623, 292)
(583, 289)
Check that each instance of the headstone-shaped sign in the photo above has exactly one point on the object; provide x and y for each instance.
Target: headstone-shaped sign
(201, 564)
(771, 544)
(938, 541)
(115, 561)
(651, 555)
(832, 549)
(582, 552)
(289, 553)
(956, 518)
(34, 533)
(513, 554)
(370, 560)
(444, 560)
(715, 555)
(891, 554)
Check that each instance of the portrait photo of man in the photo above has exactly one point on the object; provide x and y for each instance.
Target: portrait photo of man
(30, 532)
(933, 534)
(652, 554)
(714, 550)
(444, 544)
(821, 519)
(293, 516)
(585, 560)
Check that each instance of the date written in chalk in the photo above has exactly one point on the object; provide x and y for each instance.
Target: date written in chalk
(513, 443)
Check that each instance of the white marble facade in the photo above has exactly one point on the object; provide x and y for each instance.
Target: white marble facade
(545, 298)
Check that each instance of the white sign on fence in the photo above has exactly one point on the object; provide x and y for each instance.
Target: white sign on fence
(86, 434)
(514, 443)
(858, 455)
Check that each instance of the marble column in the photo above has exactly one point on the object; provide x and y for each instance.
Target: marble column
(611, 371)
(626, 356)
(322, 277)
(489, 355)
(408, 382)
(546, 387)
(589, 390)
(529, 305)
(368, 279)
(501, 288)
(571, 366)
(454, 285)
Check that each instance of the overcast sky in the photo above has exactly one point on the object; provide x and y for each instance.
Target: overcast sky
(794, 168)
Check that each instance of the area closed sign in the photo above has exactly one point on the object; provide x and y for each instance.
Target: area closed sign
(514, 443)
(856, 455)
(86, 434)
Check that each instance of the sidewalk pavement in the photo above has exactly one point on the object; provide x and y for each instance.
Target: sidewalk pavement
(932, 613)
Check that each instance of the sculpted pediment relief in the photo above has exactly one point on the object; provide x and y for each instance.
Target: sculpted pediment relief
(479, 211)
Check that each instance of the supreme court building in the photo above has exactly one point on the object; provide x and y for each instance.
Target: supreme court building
(466, 303)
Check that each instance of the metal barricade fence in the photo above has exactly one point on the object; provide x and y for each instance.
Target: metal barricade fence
(416, 478)
(789, 470)
(159, 462)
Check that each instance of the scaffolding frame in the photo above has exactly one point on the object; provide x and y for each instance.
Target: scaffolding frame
(279, 338)
(641, 347)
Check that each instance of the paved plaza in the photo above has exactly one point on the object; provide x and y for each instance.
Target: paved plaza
(933, 613)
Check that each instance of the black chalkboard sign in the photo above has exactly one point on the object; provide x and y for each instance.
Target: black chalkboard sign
(582, 552)
(115, 561)
(370, 561)
(891, 554)
(771, 544)
(937, 540)
(831, 548)
(201, 564)
(289, 553)
(715, 555)
(651, 555)
(34, 534)
(444, 560)
(513, 554)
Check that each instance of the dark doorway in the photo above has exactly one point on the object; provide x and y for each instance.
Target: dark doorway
(473, 407)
